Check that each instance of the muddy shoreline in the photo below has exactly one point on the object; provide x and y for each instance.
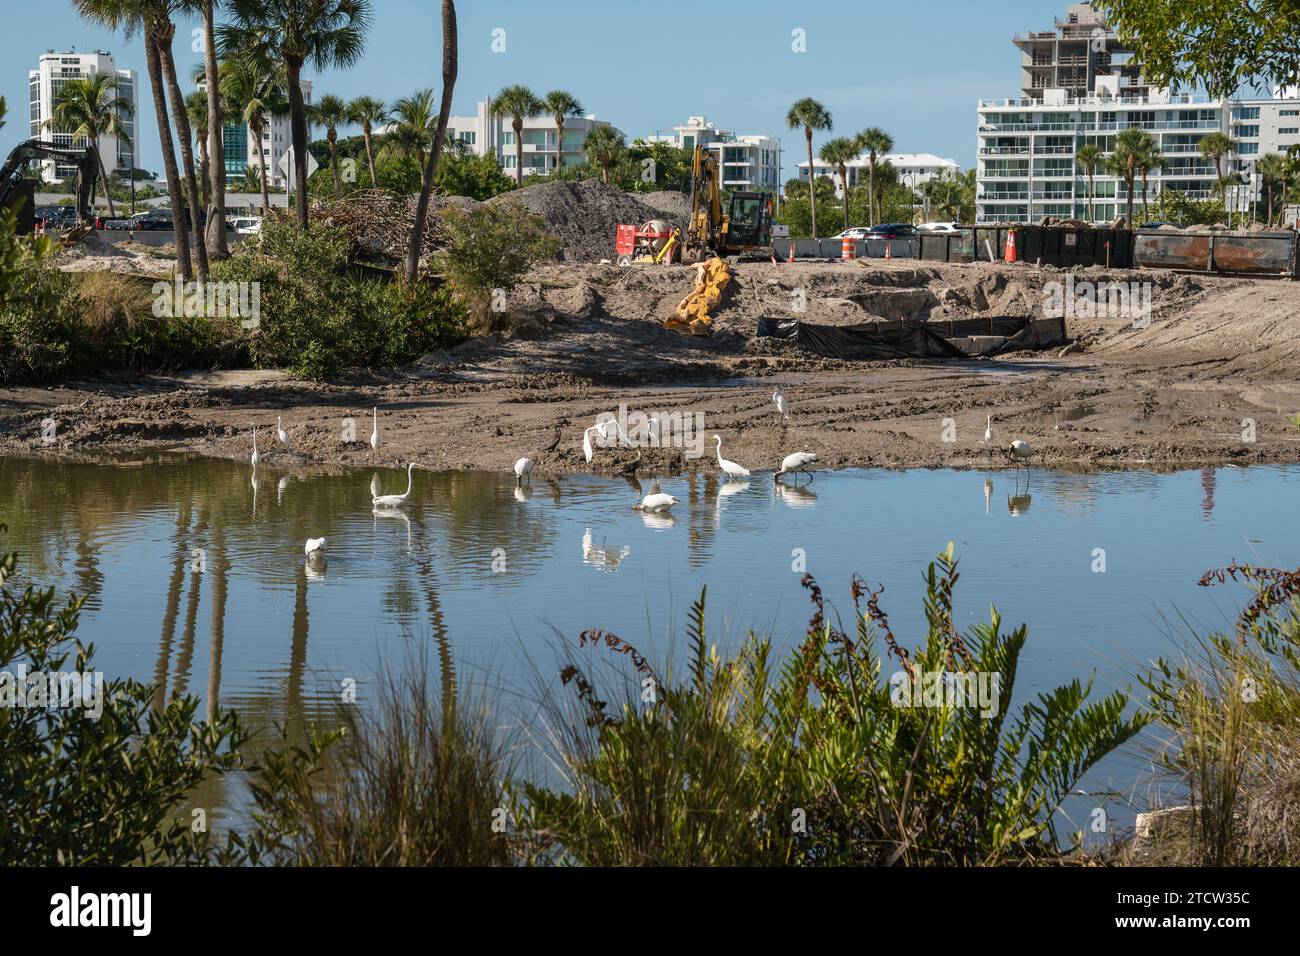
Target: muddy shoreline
(1217, 367)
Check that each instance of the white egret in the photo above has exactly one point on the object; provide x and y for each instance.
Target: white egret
(988, 431)
(781, 406)
(314, 549)
(1020, 451)
(394, 501)
(730, 468)
(256, 458)
(374, 432)
(523, 469)
(587, 451)
(796, 463)
(283, 435)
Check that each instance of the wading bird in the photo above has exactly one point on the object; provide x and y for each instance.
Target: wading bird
(523, 469)
(781, 406)
(394, 501)
(256, 458)
(796, 463)
(1019, 450)
(374, 433)
(988, 431)
(315, 549)
(655, 501)
(283, 435)
(730, 468)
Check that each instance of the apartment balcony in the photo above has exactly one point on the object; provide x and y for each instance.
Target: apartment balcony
(1175, 99)
(1053, 196)
(1005, 174)
(1054, 150)
(1054, 174)
(1004, 197)
(1004, 150)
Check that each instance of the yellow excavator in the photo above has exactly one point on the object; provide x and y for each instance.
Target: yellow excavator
(743, 225)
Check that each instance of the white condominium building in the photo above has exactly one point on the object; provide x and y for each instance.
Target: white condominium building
(749, 161)
(241, 148)
(44, 85)
(487, 130)
(913, 169)
(1080, 85)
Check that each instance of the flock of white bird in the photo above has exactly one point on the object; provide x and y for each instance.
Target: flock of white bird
(656, 501)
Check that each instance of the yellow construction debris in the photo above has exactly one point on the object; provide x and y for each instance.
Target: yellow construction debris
(711, 277)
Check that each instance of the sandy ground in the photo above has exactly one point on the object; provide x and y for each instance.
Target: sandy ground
(586, 339)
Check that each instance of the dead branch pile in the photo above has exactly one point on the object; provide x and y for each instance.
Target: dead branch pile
(378, 223)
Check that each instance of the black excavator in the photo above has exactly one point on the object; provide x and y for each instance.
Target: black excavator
(19, 194)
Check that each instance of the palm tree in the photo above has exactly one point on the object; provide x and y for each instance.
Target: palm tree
(1131, 147)
(450, 65)
(196, 110)
(256, 92)
(519, 103)
(331, 112)
(605, 148)
(560, 104)
(837, 152)
(368, 112)
(329, 33)
(874, 142)
(415, 117)
(1214, 146)
(147, 17)
(215, 185)
(90, 107)
(811, 115)
(1271, 168)
(1088, 158)
(1148, 159)
(163, 37)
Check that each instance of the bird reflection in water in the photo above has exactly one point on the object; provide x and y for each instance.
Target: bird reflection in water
(1019, 504)
(394, 513)
(988, 493)
(794, 496)
(602, 557)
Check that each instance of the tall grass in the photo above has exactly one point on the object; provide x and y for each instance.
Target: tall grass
(418, 781)
(1234, 709)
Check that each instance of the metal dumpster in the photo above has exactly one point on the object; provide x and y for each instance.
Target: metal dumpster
(1256, 253)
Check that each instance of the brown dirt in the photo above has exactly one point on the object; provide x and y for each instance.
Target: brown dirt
(585, 338)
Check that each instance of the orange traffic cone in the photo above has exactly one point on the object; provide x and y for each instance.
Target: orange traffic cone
(1011, 246)
(889, 250)
(791, 251)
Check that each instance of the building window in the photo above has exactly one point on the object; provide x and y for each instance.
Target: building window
(1288, 130)
(1247, 149)
(508, 138)
(1248, 132)
(1245, 113)
(1288, 113)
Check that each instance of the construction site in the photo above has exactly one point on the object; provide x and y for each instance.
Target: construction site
(1213, 361)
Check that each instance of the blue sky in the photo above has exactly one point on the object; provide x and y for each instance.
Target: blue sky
(916, 69)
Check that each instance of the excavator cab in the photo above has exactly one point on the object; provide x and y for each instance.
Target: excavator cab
(749, 220)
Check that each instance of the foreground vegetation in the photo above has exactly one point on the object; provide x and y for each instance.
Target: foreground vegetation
(744, 758)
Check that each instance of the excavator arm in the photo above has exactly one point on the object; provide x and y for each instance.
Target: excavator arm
(85, 159)
(717, 230)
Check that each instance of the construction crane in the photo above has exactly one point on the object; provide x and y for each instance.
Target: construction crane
(744, 225)
(12, 188)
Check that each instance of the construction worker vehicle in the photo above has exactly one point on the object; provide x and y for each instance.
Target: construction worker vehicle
(18, 193)
(743, 225)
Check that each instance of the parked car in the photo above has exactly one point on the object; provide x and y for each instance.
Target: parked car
(155, 220)
(853, 232)
(892, 230)
(940, 228)
(245, 225)
(118, 224)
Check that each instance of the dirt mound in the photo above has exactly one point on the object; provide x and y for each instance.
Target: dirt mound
(583, 216)
(669, 202)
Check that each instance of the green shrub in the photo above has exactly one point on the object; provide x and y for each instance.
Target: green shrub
(86, 790)
(492, 248)
(37, 331)
(812, 761)
(318, 318)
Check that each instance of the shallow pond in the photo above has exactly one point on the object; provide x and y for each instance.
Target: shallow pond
(197, 578)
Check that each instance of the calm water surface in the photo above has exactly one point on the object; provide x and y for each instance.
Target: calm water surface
(493, 573)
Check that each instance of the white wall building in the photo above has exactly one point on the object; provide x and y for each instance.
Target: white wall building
(913, 169)
(486, 130)
(1079, 85)
(748, 161)
(241, 148)
(44, 85)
